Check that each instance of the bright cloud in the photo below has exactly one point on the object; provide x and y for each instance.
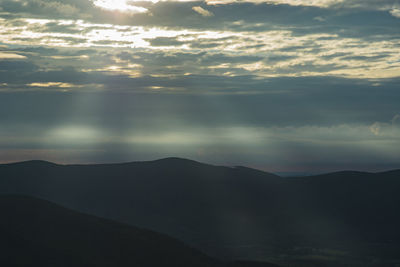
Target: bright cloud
(202, 11)
(5, 55)
(395, 12)
(319, 3)
(53, 84)
(279, 52)
(119, 5)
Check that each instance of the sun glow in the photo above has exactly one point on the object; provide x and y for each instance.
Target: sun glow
(119, 5)
(127, 6)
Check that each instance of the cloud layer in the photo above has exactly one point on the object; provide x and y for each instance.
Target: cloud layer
(262, 83)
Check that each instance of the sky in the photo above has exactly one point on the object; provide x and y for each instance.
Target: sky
(279, 85)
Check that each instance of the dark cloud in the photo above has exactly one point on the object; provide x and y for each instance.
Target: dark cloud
(12, 66)
(278, 57)
(219, 58)
(48, 8)
(369, 58)
(164, 41)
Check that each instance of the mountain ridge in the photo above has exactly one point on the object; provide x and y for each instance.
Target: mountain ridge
(190, 161)
(228, 212)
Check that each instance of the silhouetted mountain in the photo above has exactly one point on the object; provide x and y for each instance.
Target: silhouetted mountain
(241, 213)
(39, 233)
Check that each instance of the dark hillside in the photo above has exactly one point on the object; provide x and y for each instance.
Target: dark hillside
(232, 213)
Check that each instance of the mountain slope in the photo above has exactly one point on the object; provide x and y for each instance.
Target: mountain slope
(41, 233)
(185, 199)
(232, 212)
(36, 232)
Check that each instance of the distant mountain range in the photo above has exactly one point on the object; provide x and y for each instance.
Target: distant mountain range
(342, 218)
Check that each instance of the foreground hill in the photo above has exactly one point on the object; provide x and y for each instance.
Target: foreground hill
(39, 233)
(340, 218)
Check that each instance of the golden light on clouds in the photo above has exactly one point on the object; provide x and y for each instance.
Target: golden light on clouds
(202, 11)
(119, 5)
(7, 55)
(277, 51)
(53, 84)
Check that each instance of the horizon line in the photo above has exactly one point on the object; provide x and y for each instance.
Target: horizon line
(278, 173)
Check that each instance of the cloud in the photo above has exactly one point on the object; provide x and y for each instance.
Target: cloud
(45, 8)
(396, 119)
(282, 73)
(375, 128)
(202, 11)
(119, 5)
(364, 4)
(164, 41)
(66, 9)
(320, 19)
(53, 84)
(5, 55)
(386, 128)
(282, 52)
(395, 12)
(318, 3)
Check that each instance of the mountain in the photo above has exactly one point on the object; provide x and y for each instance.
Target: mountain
(41, 233)
(35, 232)
(232, 212)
